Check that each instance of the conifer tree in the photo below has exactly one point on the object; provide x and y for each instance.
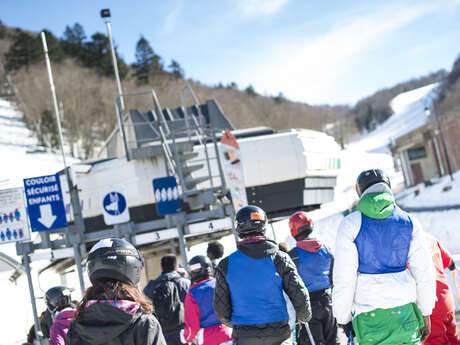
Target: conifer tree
(176, 69)
(147, 62)
(24, 51)
(73, 39)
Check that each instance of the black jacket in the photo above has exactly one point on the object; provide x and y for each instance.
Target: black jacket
(105, 324)
(46, 321)
(183, 284)
(292, 285)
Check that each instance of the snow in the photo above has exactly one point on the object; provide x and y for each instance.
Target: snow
(408, 114)
(442, 193)
(15, 143)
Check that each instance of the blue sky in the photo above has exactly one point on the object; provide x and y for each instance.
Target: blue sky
(313, 51)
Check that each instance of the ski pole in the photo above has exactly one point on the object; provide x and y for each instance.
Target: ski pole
(312, 342)
(454, 279)
(350, 338)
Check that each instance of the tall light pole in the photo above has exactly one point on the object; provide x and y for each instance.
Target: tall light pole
(428, 111)
(120, 105)
(105, 13)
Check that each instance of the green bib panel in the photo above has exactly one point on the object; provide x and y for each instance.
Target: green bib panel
(393, 326)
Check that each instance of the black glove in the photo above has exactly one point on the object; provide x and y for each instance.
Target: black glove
(347, 328)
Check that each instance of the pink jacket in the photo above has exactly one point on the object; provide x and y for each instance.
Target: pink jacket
(213, 335)
(60, 327)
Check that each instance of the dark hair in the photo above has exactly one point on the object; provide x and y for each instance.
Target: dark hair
(283, 246)
(215, 249)
(168, 263)
(109, 289)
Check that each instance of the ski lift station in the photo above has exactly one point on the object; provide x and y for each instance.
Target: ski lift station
(283, 171)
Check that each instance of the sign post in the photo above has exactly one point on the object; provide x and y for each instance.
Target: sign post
(13, 221)
(45, 203)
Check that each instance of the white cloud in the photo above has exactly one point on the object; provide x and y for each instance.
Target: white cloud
(172, 17)
(250, 8)
(311, 69)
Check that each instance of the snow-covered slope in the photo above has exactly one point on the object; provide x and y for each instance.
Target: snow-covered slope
(408, 114)
(15, 143)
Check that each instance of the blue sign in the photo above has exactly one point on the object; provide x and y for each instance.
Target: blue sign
(45, 203)
(166, 195)
(114, 203)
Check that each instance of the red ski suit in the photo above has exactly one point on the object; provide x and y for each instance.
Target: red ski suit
(443, 326)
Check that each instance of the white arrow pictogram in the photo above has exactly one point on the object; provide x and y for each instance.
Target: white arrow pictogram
(46, 215)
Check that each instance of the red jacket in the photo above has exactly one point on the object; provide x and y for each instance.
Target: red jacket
(441, 260)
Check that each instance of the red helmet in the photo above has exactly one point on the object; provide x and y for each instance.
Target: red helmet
(300, 223)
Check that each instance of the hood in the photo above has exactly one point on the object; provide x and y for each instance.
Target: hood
(311, 245)
(100, 323)
(66, 314)
(377, 205)
(257, 247)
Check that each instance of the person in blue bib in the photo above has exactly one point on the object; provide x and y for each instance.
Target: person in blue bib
(314, 263)
(250, 282)
(202, 326)
(384, 278)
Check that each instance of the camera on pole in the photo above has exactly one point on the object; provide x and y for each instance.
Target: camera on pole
(105, 13)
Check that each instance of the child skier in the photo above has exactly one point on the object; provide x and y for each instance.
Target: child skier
(383, 274)
(314, 263)
(201, 322)
(59, 303)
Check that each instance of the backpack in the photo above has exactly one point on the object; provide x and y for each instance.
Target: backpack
(169, 309)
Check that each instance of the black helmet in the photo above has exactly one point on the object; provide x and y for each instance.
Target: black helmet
(370, 177)
(58, 298)
(200, 266)
(250, 219)
(117, 259)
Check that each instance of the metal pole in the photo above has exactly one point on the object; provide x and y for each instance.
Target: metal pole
(180, 230)
(235, 234)
(121, 127)
(310, 336)
(172, 243)
(441, 134)
(115, 67)
(273, 231)
(53, 93)
(38, 330)
(76, 252)
(74, 200)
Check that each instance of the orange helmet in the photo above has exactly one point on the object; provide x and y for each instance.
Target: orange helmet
(300, 223)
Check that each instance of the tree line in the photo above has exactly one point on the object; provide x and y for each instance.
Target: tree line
(95, 53)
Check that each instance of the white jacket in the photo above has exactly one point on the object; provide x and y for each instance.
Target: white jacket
(354, 293)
